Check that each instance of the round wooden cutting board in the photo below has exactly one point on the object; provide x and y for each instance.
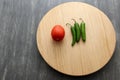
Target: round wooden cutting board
(84, 57)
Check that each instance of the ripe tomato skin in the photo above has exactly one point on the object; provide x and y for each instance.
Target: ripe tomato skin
(58, 33)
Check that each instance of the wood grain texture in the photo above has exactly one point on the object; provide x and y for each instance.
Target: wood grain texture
(83, 58)
(19, 56)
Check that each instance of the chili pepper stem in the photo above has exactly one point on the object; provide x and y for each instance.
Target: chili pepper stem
(68, 24)
(74, 20)
(81, 19)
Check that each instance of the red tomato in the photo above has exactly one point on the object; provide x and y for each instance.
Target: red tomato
(58, 32)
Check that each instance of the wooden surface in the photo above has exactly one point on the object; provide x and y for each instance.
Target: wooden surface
(82, 58)
(19, 56)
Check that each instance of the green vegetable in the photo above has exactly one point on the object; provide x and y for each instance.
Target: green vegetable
(77, 29)
(73, 34)
(83, 31)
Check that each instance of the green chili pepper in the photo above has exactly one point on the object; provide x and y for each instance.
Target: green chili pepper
(83, 31)
(73, 34)
(77, 29)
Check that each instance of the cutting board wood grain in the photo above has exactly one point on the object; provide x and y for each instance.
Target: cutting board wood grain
(84, 57)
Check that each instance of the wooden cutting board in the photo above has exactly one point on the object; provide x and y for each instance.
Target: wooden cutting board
(82, 58)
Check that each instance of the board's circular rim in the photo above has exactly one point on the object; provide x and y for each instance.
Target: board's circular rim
(68, 73)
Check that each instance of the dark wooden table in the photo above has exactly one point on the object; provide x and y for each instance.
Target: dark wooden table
(19, 56)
